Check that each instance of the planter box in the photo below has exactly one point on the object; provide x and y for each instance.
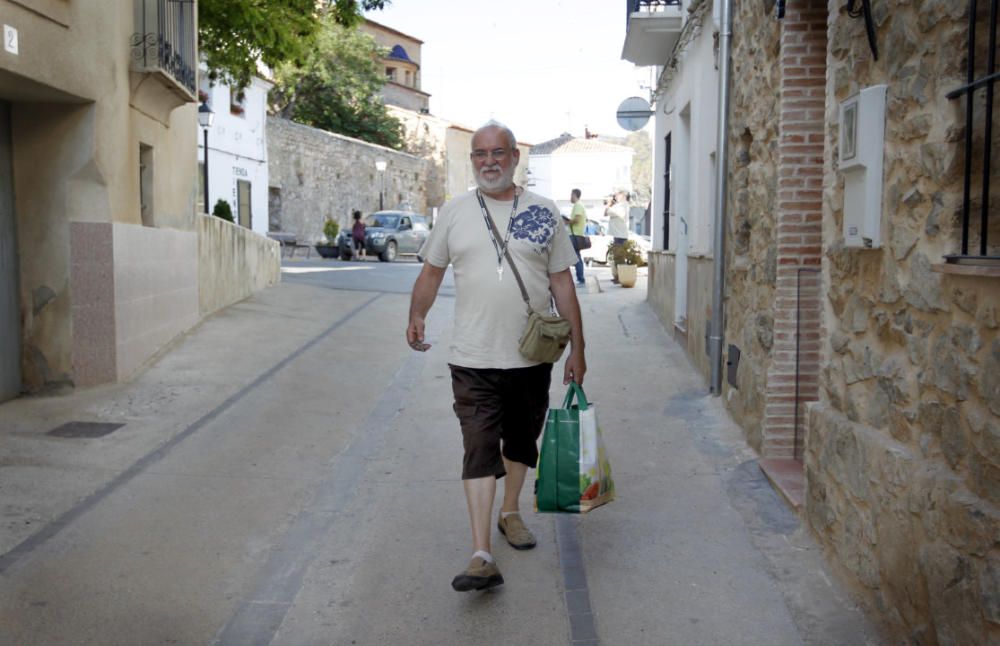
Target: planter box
(328, 250)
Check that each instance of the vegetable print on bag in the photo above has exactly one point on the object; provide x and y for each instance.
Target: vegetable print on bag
(574, 474)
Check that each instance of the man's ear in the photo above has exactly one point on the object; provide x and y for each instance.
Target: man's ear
(517, 156)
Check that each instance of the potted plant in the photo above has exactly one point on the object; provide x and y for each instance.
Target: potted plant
(627, 261)
(223, 210)
(330, 249)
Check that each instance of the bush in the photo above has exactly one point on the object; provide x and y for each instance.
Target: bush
(330, 229)
(627, 253)
(222, 210)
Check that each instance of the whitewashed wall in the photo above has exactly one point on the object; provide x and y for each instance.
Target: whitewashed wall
(238, 150)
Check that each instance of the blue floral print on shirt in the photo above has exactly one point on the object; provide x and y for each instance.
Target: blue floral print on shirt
(536, 225)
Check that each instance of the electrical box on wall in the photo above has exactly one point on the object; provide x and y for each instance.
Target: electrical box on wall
(861, 153)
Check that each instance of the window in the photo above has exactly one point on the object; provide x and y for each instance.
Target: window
(146, 184)
(237, 105)
(243, 210)
(390, 73)
(420, 223)
(978, 148)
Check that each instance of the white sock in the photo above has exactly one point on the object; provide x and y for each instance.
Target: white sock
(504, 514)
(486, 556)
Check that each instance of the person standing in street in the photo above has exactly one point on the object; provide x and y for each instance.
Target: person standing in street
(500, 398)
(617, 214)
(577, 230)
(358, 236)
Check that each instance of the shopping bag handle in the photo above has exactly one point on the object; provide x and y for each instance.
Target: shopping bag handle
(581, 399)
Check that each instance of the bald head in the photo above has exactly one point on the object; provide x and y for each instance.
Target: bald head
(496, 126)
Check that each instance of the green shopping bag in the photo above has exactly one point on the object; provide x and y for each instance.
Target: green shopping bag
(573, 474)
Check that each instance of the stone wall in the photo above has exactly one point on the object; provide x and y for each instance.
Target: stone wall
(903, 458)
(426, 137)
(751, 254)
(314, 174)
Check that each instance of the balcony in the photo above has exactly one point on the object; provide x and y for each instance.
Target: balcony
(654, 26)
(163, 55)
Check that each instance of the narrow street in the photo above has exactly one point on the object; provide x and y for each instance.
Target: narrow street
(288, 473)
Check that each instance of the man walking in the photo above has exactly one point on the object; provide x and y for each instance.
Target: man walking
(577, 229)
(501, 398)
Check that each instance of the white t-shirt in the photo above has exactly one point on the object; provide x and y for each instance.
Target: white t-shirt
(490, 315)
(618, 220)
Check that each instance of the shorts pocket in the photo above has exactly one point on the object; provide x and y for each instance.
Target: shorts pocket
(464, 411)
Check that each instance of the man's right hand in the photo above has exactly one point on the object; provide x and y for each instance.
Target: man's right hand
(415, 335)
(425, 289)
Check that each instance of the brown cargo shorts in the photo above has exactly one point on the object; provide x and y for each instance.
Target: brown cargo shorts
(501, 411)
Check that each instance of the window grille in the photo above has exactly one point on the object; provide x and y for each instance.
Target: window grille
(982, 253)
(164, 39)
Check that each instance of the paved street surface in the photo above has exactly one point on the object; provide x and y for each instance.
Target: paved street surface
(288, 473)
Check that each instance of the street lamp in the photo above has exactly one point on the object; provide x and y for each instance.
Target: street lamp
(205, 119)
(380, 167)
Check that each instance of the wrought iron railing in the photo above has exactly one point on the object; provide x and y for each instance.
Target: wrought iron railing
(164, 39)
(984, 254)
(648, 6)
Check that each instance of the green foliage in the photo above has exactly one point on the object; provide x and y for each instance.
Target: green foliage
(627, 253)
(641, 165)
(235, 34)
(222, 210)
(330, 229)
(336, 88)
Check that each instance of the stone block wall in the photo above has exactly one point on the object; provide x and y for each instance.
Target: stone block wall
(903, 458)
(751, 255)
(314, 174)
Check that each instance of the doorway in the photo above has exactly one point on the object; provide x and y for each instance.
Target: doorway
(10, 312)
(243, 203)
(682, 211)
(666, 193)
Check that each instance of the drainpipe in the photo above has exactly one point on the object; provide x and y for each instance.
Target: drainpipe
(716, 328)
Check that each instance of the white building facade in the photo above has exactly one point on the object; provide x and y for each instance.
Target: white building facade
(237, 152)
(679, 40)
(597, 168)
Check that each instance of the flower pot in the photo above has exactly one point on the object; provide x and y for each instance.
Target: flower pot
(328, 250)
(627, 275)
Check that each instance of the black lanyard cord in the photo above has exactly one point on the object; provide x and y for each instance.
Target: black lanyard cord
(501, 251)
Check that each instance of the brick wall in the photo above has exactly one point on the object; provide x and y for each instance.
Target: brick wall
(798, 226)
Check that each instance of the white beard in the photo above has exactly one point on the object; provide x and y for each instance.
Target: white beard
(503, 182)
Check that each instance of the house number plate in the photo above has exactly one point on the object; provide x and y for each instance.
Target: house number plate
(10, 39)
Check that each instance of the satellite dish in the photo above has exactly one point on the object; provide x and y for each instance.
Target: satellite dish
(633, 113)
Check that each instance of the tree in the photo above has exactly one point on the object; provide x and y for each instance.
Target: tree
(642, 165)
(336, 88)
(234, 35)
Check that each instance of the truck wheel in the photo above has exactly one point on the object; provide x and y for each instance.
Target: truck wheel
(390, 252)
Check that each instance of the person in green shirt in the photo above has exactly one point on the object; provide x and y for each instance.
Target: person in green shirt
(577, 227)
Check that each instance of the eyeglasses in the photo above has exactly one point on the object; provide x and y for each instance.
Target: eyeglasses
(498, 154)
